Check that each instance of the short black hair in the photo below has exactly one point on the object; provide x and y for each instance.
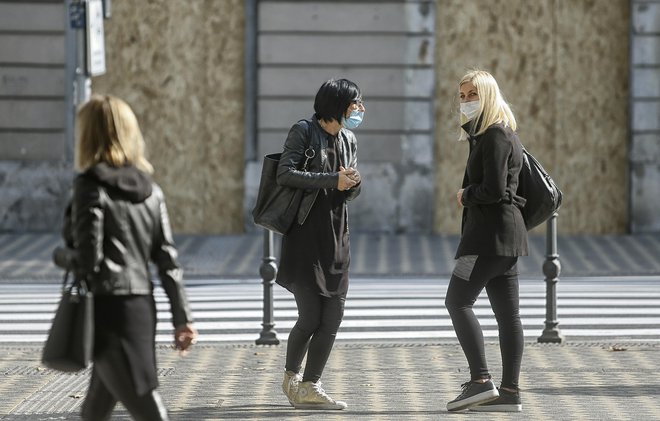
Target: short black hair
(334, 97)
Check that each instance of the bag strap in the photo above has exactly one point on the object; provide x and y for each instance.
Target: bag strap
(309, 152)
(77, 286)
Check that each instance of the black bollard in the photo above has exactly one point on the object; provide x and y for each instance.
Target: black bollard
(268, 271)
(551, 270)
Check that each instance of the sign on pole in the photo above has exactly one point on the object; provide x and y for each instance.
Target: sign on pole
(95, 38)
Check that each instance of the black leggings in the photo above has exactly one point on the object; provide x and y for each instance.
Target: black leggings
(503, 293)
(314, 333)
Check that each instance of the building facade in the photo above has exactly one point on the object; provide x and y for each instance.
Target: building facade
(217, 84)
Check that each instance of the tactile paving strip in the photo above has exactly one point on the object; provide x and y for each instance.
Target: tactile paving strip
(380, 381)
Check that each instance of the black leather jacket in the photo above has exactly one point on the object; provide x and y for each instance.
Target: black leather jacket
(309, 134)
(116, 228)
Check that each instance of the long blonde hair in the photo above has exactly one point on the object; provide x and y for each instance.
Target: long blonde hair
(108, 131)
(493, 108)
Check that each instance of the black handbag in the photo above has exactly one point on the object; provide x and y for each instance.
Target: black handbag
(277, 206)
(70, 341)
(542, 195)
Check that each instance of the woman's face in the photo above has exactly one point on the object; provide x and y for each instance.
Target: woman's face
(356, 105)
(468, 92)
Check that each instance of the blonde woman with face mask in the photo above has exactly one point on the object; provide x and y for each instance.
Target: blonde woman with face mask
(493, 236)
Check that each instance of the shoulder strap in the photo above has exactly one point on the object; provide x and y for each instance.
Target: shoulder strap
(308, 132)
(309, 151)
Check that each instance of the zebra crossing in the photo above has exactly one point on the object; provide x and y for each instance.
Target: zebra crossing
(613, 308)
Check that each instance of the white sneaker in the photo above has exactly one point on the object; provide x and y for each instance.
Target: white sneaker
(290, 384)
(312, 396)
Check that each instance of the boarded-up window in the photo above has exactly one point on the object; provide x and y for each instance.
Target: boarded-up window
(33, 110)
(387, 48)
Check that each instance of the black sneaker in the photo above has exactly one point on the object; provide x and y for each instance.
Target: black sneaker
(507, 402)
(473, 394)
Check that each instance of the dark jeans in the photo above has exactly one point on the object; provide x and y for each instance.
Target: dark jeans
(503, 293)
(111, 382)
(314, 333)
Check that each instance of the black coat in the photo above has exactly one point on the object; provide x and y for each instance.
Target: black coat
(305, 134)
(492, 223)
(118, 224)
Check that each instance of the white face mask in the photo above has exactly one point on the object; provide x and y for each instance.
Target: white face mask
(470, 109)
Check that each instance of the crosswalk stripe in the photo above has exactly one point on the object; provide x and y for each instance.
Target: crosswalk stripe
(621, 309)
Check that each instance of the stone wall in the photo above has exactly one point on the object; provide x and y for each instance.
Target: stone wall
(563, 65)
(179, 64)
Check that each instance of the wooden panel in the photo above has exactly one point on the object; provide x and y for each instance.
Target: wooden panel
(645, 82)
(32, 49)
(388, 49)
(43, 114)
(646, 18)
(305, 82)
(644, 198)
(645, 148)
(25, 81)
(32, 17)
(380, 115)
(346, 48)
(32, 146)
(371, 147)
(646, 50)
(646, 115)
(351, 17)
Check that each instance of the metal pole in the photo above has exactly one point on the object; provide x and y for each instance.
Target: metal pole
(82, 82)
(551, 270)
(268, 271)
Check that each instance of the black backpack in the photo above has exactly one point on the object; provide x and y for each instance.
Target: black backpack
(539, 189)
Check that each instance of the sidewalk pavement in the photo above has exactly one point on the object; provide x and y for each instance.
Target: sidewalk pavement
(379, 381)
(28, 256)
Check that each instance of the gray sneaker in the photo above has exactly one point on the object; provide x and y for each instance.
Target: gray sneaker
(290, 385)
(473, 393)
(507, 402)
(312, 396)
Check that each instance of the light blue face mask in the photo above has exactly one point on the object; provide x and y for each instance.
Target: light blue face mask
(353, 120)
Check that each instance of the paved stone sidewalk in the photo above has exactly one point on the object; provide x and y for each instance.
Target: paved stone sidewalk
(379, 381)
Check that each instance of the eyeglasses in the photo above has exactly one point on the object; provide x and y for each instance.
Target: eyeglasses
(357, 102)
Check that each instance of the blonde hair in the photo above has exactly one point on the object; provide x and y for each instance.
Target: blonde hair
(493, 108)
(108, 131)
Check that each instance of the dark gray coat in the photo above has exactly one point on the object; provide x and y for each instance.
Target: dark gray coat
(305, 134)
(492, 223)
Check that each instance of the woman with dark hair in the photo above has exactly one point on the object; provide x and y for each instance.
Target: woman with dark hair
(315, 251)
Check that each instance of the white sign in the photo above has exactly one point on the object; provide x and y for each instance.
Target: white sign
(95, 38)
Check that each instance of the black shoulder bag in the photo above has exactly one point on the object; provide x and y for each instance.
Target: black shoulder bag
(277, 206)
(70, 341)
(542, 195)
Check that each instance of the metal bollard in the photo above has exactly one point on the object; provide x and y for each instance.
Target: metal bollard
(551, 269)
(268, 271)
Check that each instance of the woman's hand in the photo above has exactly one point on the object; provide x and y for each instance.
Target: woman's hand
(184, 337)
(355, 175)
(459, 197)
(348, 178)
